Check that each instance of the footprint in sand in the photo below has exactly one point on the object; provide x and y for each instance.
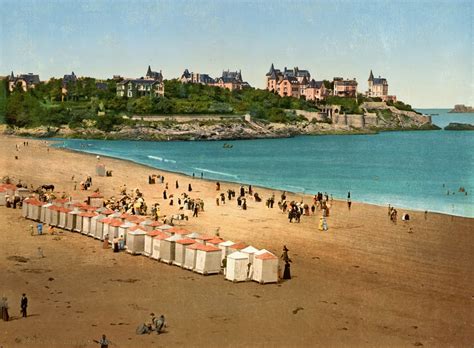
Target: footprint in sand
(257, 296)
(343, 328)
(418, 344)
(355, 266)
(297, 309)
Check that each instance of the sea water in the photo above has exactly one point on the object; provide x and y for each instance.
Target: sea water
(413, 170)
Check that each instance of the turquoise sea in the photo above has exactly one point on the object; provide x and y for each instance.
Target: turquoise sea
(406, 169)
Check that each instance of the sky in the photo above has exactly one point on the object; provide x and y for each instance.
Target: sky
(423, 48)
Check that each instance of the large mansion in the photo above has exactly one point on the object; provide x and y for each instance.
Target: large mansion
(378, 87)
(150, 85)
(231, 80)
(24, 81)
(344, 87)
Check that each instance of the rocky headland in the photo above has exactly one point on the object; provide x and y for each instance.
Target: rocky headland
(462, 109)
(453, 126)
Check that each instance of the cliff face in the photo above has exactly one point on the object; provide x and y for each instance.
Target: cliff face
(377, 117)
(462, 109)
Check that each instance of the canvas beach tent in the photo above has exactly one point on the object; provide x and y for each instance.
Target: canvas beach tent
(237, 267)
(180, 250)
(168, 247)
(136, 240)
(190, 256)
(24, 207)
(265, 267)
(100, 169)
(208, 259)
(177, 230)
(71, 219)
(63, 215)
(153, 225)
(251, 251)
(156, 244)
(150, 235)
(60, 202)
(100, 227)
(203, 238)
(34, 209)
(96, 200)
(225, 248)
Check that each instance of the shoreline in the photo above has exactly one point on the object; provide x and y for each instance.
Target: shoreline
(306, 195)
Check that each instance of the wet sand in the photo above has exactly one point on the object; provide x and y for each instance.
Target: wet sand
(364, 282)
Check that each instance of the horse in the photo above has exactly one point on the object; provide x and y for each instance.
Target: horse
(48, 187)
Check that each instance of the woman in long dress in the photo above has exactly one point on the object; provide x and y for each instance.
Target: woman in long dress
(287, 260)
(4, 308)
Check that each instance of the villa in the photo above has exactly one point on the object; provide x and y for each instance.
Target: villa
(151, 85)
(345, 88)
(289, 82)
(203, 79)
(232, 80)
(68, 81)
(24, 81)
(378, 87)
(315, 90)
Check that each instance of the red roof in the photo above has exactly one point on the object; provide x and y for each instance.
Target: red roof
(115, 223)
(195, 246)
(106, 220)
(186, 241)
(124, 215)
(205, 238)
(96, 195)
(88, 214)
(138, 227)
(64, 210)
(53, 207)
(155, 224)
(154, 233)
(9, 187)
(239, 246)
(61, 200)
(107, 212)
(266, 256)
(177, 230)
(215, 240)
(207, 248)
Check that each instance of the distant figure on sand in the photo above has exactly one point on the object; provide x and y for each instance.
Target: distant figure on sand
(24, 305)
(4, 308)
(287, 260)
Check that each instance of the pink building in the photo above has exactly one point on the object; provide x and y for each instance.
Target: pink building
(315, 90)
(345, 88)
(289, 82)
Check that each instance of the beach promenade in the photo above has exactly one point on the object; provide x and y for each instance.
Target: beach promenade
(364, 282)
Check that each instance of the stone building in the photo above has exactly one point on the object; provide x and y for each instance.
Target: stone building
(315, 90)
(191, 77)
(378, 87)
(24, 81)
(231, 80)
(289, 82)
(150, 85)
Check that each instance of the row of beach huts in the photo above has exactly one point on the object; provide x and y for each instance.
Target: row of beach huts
(169, 244)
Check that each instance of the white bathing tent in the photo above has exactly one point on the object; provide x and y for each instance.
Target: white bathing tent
(180, 250)
(237, 266)
(100, 227)
(251, 251)
(96, 200)
(44, 211)
(156, 244)
(203, 238)
(153, 225)
(190, 256)
(61, 202)
(208, 259)
(149, 239)
(24, 207)
(34, 209)
(71, 219)
(224, 246)
(63, 215)
(168, 248)
(238, 246)
(3, 199)
(177, 230)
(136, 240)
(265, 267)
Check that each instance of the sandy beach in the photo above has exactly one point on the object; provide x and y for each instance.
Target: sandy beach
(364, 282)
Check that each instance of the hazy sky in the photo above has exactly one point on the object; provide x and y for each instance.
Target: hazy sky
(423, 48)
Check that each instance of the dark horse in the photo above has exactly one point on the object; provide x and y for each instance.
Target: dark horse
(294, 214)
(48, 187)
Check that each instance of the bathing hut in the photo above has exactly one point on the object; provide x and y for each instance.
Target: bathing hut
(208, 260)
(224, 246)
(237, 247)
(123, 229)
(157, 243)
(113, 229)
(24, 207)
(265, 267)
(22, 192)
(148, 250)
(164, 227)
(177, 230)
(87, 222)
(251, 251)
(136, 240)
(3, 199)
(100, 227)
(34, 209)
(168, 247)
(237, 266)
(44, 211)
(94, 220)
(63, 215)
(100, 169)
(96, 200)
(214, 241)
(71, 220)
(190, 256)
(180, 250)
(52, 215)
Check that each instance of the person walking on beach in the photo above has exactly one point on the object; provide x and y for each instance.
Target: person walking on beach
(177, 184)
(189, 188)
(24, 305)
(287, 260)
(349, 203)
(4, 308)
(165, 196)
(218, 186)
(104, 342)
(195, 211)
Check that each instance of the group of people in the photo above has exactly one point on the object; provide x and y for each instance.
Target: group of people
(4, 307)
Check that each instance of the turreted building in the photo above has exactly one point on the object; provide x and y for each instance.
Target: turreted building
(23, 81)
(287, 83)
(378, 87)
(150, 85)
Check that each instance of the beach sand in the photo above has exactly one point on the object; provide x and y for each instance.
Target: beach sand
(364, 282)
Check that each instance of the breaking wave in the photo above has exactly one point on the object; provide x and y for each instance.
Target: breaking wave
(215, 172)
(161, 159)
